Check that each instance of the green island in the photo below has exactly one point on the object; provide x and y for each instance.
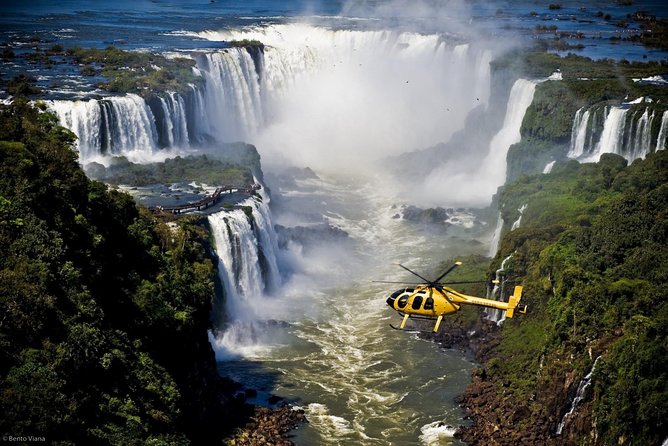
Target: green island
(145, 74)
(237, 164)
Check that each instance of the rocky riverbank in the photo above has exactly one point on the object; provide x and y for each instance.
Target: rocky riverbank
(495, 419)
(268, 426)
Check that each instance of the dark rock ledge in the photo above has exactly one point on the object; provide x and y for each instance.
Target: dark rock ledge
(268, 426)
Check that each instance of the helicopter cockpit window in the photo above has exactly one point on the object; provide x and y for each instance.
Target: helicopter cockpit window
(417, 301)
(396, 294)
(403, 300)
(429, 303)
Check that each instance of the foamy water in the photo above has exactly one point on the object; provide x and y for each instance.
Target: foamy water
(359, 381)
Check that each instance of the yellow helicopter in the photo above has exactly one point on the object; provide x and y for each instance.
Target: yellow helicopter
(433, 300)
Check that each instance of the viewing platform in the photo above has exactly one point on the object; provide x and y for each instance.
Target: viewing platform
(209, 200)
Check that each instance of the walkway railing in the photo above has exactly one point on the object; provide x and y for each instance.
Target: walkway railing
(207, 201)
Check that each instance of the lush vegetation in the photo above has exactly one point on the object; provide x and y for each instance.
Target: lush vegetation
(145, 74)
(546, 129)
(201, 169)
(104, 310)
(537, 64)
(592, 254)
(246, 43)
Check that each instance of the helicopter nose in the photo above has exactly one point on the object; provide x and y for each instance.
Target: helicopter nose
(390, 301)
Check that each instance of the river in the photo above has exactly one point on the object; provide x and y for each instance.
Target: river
(342, 86)
(332, 351)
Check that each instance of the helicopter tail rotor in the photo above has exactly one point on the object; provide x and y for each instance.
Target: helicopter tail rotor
(514, 302)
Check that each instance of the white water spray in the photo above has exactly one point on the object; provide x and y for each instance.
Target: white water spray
(246, 247)
(663, 132)
(579, 133)
(579, 396)
(495, 315)
(343, 98)
(623, 132)
(484, 177)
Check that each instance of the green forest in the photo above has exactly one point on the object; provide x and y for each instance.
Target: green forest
(105, 310)
(592, 254)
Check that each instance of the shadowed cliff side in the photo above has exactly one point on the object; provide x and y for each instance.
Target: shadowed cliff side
(103, 338)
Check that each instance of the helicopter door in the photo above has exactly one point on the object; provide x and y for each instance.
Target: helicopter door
(429, 303)
(417, 302)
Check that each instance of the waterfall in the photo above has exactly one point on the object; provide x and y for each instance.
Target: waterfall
(246, 246)
(548, 167)
(110, 126)
(663, 132)
(637, 143)
(233, 94)
(579, 133)
(516, 223)
(520, 99)
(197, 116)
(174, 124)
(613, 132)
(579, 396)
(623, 130)
(335, 79)
(496, 237)
(331, 78)
(495, 315)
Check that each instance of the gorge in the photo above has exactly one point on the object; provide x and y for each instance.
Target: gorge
(384, 117)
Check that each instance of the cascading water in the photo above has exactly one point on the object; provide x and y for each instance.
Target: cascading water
(335, 79)
(516, 223)
(495, 315)
(663, 132)
(622, 130)
(613, 133)
(496, 237)
(109, 126)
(174, 120)
(233, 93)
(579, 133)
(548, 167)
(125, 125)
(246, 246)
(521, 96)
(579, 396)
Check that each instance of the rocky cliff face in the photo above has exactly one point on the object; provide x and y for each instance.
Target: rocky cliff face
(585, 365)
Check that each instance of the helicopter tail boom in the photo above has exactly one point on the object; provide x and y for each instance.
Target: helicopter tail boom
(514, 301)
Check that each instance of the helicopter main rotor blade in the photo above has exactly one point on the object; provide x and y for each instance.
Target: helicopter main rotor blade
(414, 273)
(399, 283)
(459, 282)
(449, 270)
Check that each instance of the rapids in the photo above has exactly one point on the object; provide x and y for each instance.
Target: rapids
(322, 340)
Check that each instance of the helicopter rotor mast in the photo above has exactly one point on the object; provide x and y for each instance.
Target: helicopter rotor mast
(448, 271)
